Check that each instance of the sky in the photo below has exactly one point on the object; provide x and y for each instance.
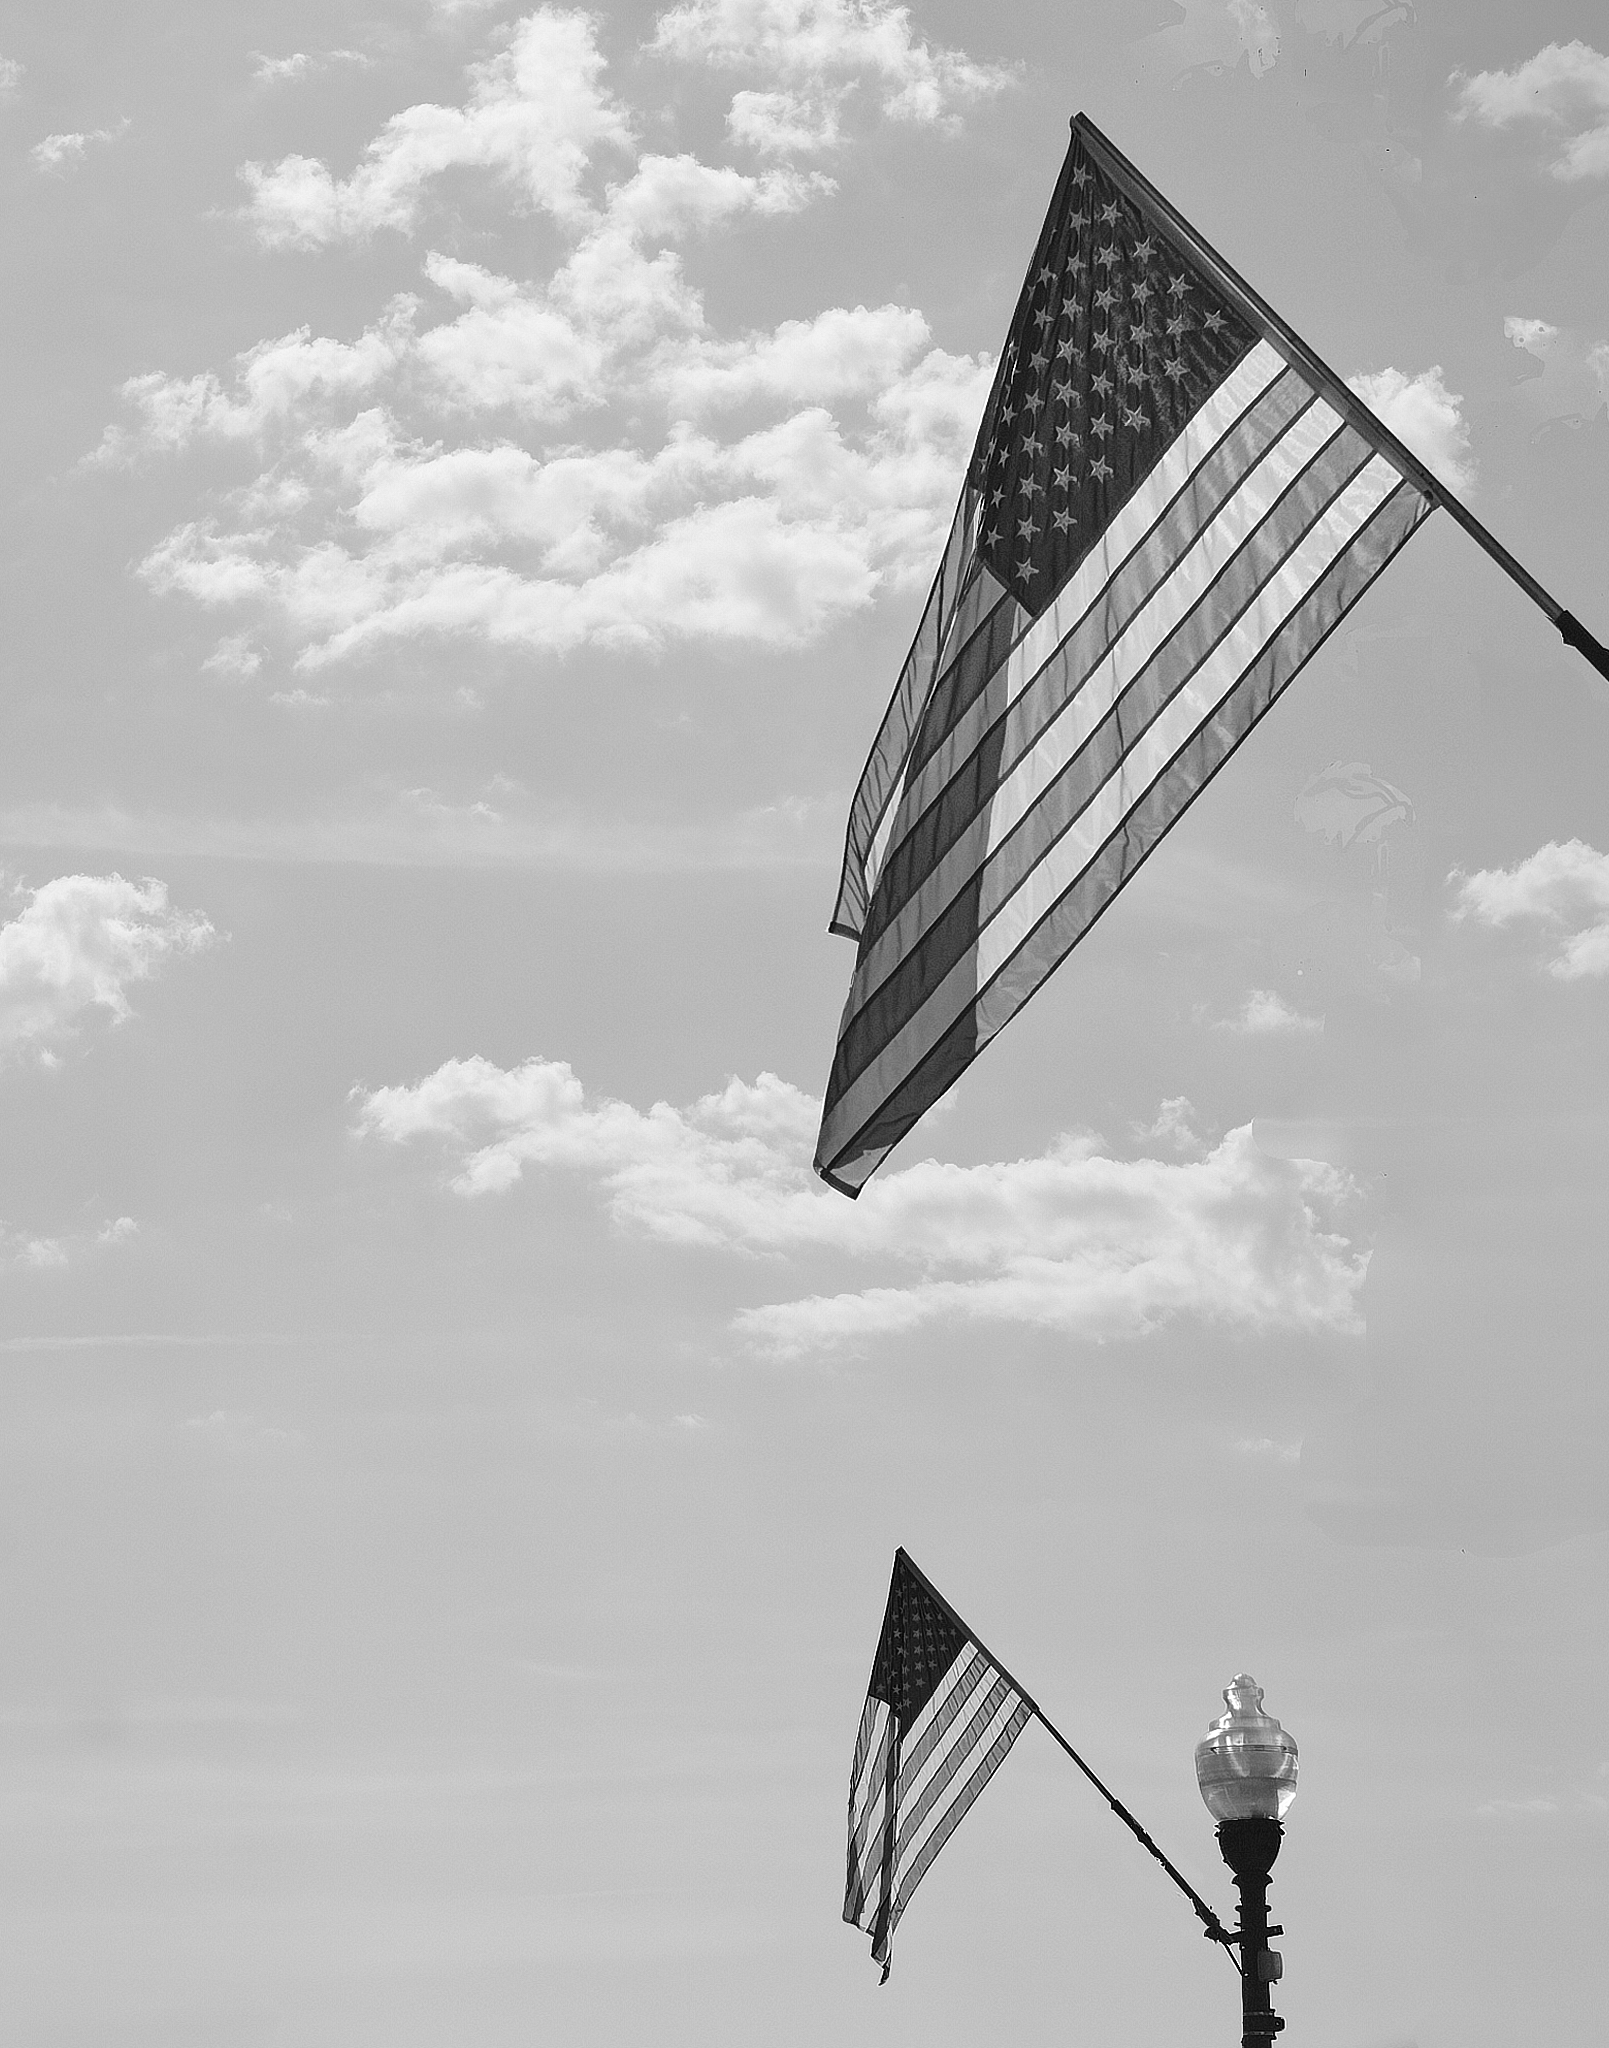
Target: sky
(473, 476)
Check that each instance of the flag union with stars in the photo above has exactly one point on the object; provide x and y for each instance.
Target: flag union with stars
(1116, 341)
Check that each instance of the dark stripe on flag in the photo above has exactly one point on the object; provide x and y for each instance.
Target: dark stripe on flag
(872, 1721)
(963, 681)
(885, 764)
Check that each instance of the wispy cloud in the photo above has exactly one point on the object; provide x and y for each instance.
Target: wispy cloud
(496, 826)
(65, 152)
(1272, 1449)
(77, 945)
(33, 1251)
(1563, 89)
(302, 64)
(1075, 1240)
(151, 1340)
(232, 1433)
(817, 56)
(1561, 890)
(10, 78)
(1266, 1014)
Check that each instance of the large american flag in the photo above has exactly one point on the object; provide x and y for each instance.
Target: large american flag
(1171, 504)
(939, 1720)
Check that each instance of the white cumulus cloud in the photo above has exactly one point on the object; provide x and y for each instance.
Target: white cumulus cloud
(1562, 890)
(76, 945)
(431, 475)
(534, 114)
(1563, 89)
(1424, 414)
(577, 456)
(301, 64)
(818, 52)
(1075, 1240)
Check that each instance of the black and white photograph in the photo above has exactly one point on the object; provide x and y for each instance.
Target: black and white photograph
(804, 1023)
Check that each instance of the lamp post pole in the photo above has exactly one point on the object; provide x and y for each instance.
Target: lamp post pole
(1249, 1848)
(1246, 1768)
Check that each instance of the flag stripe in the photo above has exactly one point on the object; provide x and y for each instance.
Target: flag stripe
(915, 1806)
(850, 1155)
(1232, 572)
(917, 846)
(961, 683)
(952, 1815)
(885, 764)
(1083, 683)
(928, 796)
(866, 1796)
(982, 598)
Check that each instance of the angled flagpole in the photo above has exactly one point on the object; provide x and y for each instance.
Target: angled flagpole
(1346, 401)
(1212, 1926)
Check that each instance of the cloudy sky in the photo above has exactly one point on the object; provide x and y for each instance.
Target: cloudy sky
(472, 477)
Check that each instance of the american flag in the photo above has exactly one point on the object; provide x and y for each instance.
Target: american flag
(939, 1720)
(1171, 504)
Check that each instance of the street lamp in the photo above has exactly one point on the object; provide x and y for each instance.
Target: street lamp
(1246, 1768)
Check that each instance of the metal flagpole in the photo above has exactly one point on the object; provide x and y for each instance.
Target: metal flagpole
(1211, 1924)
(1346, 401)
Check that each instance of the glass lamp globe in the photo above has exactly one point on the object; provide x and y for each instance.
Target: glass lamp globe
(1246, 1763)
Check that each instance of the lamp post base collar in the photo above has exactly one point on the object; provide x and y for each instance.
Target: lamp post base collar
(1250, 1846)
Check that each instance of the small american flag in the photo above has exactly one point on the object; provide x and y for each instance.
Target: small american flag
(939, 1720)
(1169, 508)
